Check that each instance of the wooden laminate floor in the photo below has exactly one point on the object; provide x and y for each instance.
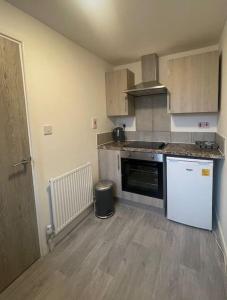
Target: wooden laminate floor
(135, 255)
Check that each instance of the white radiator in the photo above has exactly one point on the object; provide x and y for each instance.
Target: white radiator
(71, 194)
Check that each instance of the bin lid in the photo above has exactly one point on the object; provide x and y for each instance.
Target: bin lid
(103, 185)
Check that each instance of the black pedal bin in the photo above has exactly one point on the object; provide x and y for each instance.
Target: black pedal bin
(104, 201)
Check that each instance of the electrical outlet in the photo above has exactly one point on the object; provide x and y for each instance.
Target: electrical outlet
(94, 124)
(204, 124)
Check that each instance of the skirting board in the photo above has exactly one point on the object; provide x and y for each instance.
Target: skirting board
(221, 235)
(149, 201)
(140, 205)
(61, 235)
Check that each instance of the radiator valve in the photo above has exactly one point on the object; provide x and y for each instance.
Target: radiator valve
(49, 230)
(50, 236)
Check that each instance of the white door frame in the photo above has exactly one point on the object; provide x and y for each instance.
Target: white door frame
(34, 176)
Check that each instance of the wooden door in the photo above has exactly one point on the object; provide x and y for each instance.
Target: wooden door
(193, 83)
(110, 168)
(19, 246)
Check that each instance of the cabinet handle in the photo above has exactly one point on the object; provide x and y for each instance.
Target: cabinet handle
(169, 101)
(118, 162)
(126, 99)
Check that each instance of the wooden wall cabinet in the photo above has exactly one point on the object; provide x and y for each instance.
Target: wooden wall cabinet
(110, 168)
(193, 83)
(117, 102)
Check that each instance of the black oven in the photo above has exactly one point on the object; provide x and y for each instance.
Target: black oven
(142, 173)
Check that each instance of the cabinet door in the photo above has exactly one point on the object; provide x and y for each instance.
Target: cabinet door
(193, 83)
(110, 168)
(117, 102)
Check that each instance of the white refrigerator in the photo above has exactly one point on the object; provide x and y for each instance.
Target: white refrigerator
(190, 191)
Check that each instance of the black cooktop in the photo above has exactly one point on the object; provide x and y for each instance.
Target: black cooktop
(146, 145)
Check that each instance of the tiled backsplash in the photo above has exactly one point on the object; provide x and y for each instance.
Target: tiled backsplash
(203, 136)
(181, 137)
(104, 137)
(152, 114)
(220, 140)
(167, 137)
(149, 136)
(170, 137)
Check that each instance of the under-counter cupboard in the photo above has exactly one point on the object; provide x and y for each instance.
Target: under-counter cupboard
(110, 168)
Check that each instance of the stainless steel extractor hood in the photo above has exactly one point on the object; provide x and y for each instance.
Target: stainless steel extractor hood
(150, 76)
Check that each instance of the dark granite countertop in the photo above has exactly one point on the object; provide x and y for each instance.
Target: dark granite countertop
(192, 150)
(178, 149)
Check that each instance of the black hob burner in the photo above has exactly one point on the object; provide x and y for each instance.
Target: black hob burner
(146, 145)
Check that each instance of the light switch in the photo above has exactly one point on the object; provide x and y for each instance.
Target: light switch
(47, 129)
(94, 124)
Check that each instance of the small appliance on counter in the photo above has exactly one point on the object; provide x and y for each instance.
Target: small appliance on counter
(118, 134)
(207, 145)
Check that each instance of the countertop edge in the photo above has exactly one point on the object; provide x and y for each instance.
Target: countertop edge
(185, 153)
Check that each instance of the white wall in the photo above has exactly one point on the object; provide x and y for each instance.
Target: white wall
(186, 122)
(65, 88)
(221, 180)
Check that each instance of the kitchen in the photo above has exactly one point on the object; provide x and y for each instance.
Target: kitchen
(114, 147)
(143, 168)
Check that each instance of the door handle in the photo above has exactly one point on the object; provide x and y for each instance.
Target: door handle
(22, 162)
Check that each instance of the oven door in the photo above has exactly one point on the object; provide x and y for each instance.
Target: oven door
(142, 177)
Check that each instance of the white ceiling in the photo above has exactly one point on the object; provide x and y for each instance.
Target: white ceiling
(120, 31)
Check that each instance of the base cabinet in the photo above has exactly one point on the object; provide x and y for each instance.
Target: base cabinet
(110, 168)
